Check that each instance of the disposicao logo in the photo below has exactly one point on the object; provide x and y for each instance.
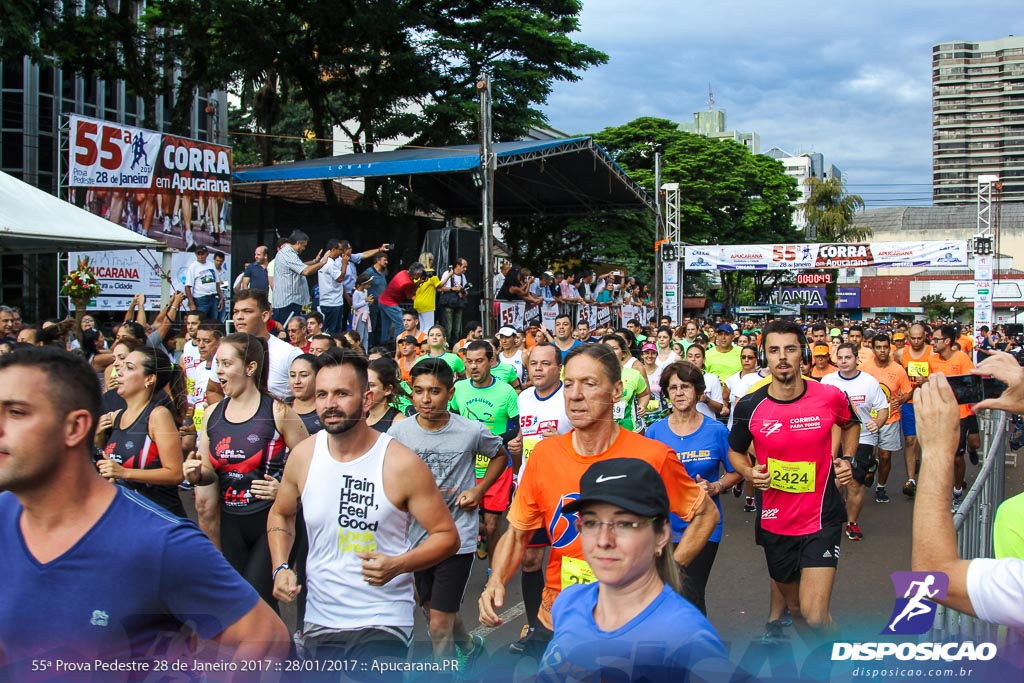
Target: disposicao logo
(916, 593)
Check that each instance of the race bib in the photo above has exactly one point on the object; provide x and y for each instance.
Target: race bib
(197, 416)
(619, 410)
(528, 443)
(481, 463)
(791, 477)
(917, 371)
(576, 571)
(190, 386)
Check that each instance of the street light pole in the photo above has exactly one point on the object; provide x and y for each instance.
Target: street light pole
(486, 194)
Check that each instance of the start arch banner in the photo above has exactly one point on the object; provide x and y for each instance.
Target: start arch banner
(930, 254)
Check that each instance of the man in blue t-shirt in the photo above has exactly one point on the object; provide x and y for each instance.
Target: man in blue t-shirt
(92, 571)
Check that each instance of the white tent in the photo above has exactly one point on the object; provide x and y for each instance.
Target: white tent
(33, 221)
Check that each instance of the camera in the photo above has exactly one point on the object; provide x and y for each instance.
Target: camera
(389, 247)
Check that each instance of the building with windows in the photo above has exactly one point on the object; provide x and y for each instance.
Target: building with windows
(803, 167)
(711, 124)
(977, 118)
(35, 101)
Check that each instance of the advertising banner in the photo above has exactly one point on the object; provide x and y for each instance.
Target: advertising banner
(930, 254)
(548, 313)
(172, 189)
(814, 297)
(512, 314)
(604, 316)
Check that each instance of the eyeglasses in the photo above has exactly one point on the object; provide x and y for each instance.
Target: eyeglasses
(592, 527)
(938, 339)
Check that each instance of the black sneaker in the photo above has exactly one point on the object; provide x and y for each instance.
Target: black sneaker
(518, 647)
(910, 488)
(880, 495)
(737, 490)
(748, 505)
(972, 455)
(773, 633)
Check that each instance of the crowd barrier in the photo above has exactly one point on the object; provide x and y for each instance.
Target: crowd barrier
(519, 314)
(973, 521)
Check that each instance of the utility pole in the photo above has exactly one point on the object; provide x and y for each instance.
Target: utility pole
(984, 257)
(487, 167)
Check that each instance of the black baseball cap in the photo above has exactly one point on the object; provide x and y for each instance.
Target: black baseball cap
(629, 483)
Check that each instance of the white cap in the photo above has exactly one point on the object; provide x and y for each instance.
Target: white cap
(506, 332)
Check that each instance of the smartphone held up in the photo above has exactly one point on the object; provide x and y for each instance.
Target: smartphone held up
(975, 388)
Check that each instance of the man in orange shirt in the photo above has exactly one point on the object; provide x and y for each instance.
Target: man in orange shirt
(914, 359)
(950, 362)
(822, 362)
(896, 386)
(550, 480)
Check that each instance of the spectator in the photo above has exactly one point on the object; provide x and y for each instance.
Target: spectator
(349, 261)
(378, 282)
(201, 286)
(297, 333)
(332, 289)
(453, 298)
(291, 292)
(401, 288)
(225, 290)
(7, 333)
(991, 589)
(255, 275)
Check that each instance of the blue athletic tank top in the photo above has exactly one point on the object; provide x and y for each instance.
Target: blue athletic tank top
(312, 422)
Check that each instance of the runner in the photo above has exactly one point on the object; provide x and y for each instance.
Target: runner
(141, 444)
(712, 403)
(518, 358)
(242, 448)
(438, 348)
(701, 443)
(63, 529)
(914, 359)
(867, 398)
(388, 391)
(303, 384)
(483, 398)
(896, 386)
(251, 313)
(563, 335)
(950, 362)
(541, 414)
(592, 385)
(631, 407)
(449, 444)
(789, 421)
(822, 362)
(723, 359)
(360, 564)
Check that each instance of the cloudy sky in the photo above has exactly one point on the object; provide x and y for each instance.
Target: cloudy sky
(851, 80)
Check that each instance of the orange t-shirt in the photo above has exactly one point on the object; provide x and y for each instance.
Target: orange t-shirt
(551, 479)
(894, 381)
(420, 337)
(406, 367)
(818, 374)
(917, 368)
(966, 343)
(958, 364)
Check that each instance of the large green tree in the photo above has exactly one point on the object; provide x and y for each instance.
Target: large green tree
(831, 216)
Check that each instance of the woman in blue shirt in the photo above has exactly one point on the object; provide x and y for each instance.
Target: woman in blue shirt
(702, 445)
(631, 624)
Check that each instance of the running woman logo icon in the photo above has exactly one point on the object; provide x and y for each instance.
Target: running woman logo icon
(914, 611)
(99, 618)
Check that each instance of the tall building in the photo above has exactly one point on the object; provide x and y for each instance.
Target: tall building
(711, 124)
(803, 167)
(977, 118)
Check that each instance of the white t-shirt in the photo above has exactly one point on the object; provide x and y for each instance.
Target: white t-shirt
(738, 388)
(331, 291)
(202, 278)
(866, 395)
(281, 356)
(996, 590)
(713, 390)
(189, 357)
(200, 379)
(538, 415)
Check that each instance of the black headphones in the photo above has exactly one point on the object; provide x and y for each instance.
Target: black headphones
(806, 356)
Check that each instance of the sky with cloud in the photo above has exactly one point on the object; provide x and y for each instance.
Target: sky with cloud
(851, 80)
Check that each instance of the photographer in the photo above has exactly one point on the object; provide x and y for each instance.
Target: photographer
(992, 590)
(453, 298)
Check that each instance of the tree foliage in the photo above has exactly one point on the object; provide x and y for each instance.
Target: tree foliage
(830, 213)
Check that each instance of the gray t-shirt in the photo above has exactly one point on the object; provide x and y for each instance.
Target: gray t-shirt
(450, 452)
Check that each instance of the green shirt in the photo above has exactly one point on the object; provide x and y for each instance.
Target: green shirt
(633, 385)
(453, 361)
(506, 373)
(724, 365)
(1008, 530)
(496, 405)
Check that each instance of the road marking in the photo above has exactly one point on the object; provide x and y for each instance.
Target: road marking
(517, 610)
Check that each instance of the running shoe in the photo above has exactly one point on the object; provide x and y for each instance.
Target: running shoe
(748, 504)
(910, 488)
(481, 549)
(853, 532)
(773, 633)
(467, 659)
(880, 495)
(958, 498)
(786, 619)
(737, 490)
(167, 224)
(972, 455)
(518, 647)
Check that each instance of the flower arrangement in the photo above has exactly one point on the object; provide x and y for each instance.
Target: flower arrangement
(81, 284)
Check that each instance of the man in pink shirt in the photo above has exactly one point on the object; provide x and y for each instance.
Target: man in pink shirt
(402, 287)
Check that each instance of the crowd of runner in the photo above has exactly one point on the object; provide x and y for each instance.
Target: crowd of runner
(362, 483)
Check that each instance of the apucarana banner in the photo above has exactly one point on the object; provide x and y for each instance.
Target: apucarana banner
(168, 188)
(930, 254)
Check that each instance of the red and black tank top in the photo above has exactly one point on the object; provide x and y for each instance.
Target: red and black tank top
(132, 448)
(242, 453)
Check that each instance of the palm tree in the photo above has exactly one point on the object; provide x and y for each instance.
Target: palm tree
(830, 212)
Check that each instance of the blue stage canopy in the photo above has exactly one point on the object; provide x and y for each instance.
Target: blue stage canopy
(567, 175)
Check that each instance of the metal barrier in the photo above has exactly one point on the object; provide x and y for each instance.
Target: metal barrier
(973, 522)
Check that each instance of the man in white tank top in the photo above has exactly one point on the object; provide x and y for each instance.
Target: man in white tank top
(359, 492)
(510, 354)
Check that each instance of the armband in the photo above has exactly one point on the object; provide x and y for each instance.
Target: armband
(278, 568)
